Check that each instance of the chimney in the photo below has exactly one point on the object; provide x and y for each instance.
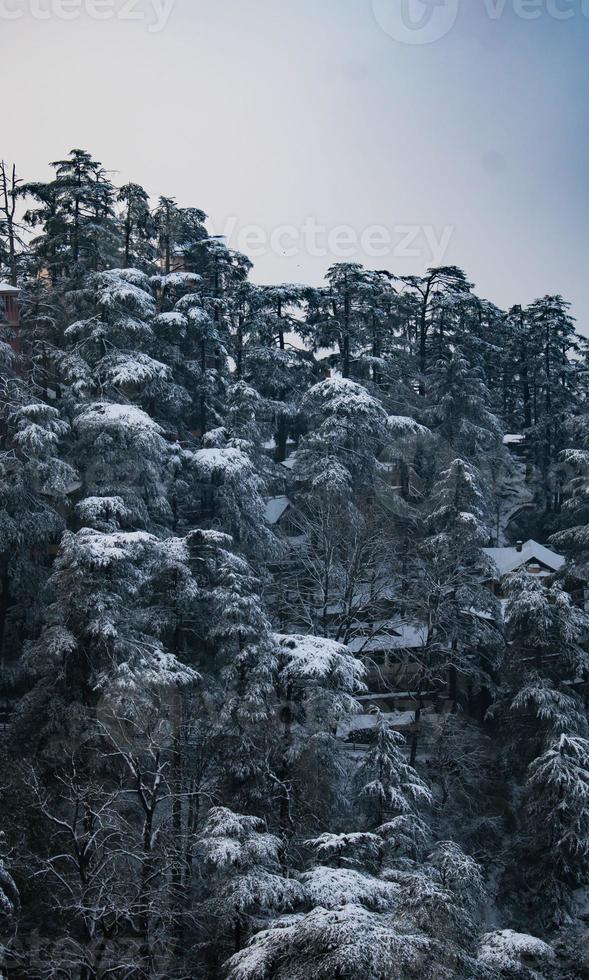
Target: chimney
(520, 546)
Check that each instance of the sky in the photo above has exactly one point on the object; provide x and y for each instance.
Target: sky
(396, 133)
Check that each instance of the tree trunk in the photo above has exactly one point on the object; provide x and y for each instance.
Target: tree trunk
(9, 210)
(4, 607)
(281, 439)
(203, 397)
(280, 331)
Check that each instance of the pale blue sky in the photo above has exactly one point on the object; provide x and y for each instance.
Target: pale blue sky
(270, 112)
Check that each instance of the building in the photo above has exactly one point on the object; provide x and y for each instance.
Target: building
(404, 479)
(534, 558)
(276, 508)
(178, 261)
(515, 442)
(10, 315)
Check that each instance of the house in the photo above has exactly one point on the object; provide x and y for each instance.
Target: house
(359, 728)
(280, 453)
(275, 510)
(393, 660)
(10, 314)
(385, 646)
(290, 463)
(404, 479)
(516, 444)
(534, 558)
(177, 260)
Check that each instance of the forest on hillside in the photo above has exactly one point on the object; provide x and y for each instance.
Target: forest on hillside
(270, 709)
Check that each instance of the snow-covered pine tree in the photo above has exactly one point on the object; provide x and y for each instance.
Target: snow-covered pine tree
(555, 831)
(433, 293)
(35, 483)
(316, 680)
(246, 885)
(76, 213)
(446, 586)
(138, 227)
(393, 793)
(347, 428)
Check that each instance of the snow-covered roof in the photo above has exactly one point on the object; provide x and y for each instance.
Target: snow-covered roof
(5, 287)
(513, 439)
(271, 444)
(276, 507)
(289, 464)
(508, 560)
(398, 636)
(367, 722)
(411, 636)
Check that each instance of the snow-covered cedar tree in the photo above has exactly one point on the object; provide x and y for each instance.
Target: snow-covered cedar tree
(551, 336)
(108, 351)
(315, 683)
(555, 831)
(573, 538)
(263, 317)
(443, 899)
(35, 481)
(546, 629)
(8, 359)
(347, 427)
(393, 793)
(103, 513)
(208, 310)
(75, 215)
(180, 232)
(38, 433)
(460, 503)
(245, 415)
(346, 850)
(9, 899)
(121, 452)
(231, 500)
(193, 343)
(537, 712)
(216, 621)
(332, 888)
(138, 227)
(241, 635)
(348, 942)
(336, 314)
(460, 415)
(439, 297)
(515, 954)
(97, 640)
(446, 581)
(246, 883)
